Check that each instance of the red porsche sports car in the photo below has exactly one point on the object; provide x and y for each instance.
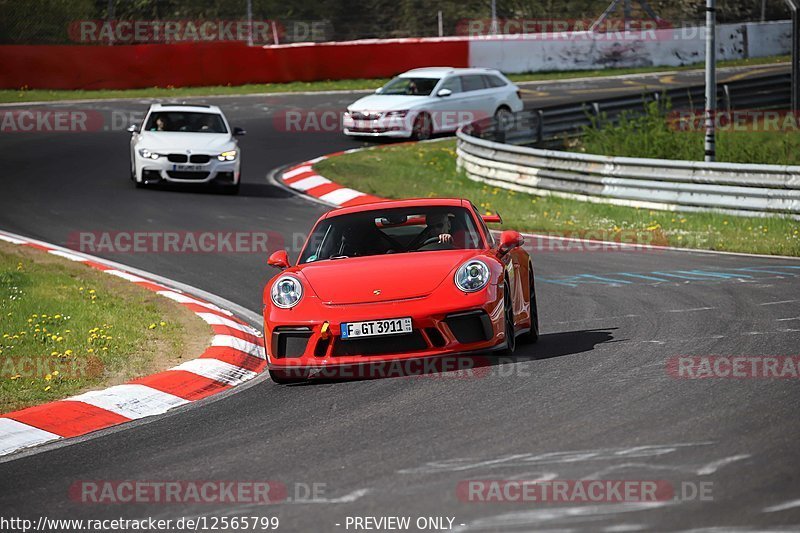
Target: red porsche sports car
(397, 280)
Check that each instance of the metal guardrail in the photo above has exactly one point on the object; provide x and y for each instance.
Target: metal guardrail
(551, 125)
(495, 153)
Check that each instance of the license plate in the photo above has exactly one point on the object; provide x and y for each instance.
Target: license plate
(187, 167)
(375, 328)
(363, 124)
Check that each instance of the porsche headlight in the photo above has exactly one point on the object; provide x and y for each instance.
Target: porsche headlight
(472, 276)
(286, 292)
(227, 156)
(147, 154)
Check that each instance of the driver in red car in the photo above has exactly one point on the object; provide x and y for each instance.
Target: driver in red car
(438, 225)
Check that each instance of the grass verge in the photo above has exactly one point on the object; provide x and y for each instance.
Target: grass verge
(67, 328)
(44, 95)
(429, 170)
(662, 135)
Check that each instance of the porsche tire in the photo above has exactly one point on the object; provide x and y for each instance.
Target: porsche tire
(532, 335)
(508, 321)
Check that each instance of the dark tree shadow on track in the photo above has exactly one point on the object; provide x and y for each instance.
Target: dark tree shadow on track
(248, 190)
(565, 343)
(469, 366)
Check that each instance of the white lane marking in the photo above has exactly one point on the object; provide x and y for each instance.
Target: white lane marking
(780, 302)
(67, 255)
(131, 400)
(624, 527)
(183, 299)
(692, 309)
(15, 435)
(782, 506)
(785, 319)
(309, 183)
(217, 370)
(713, 466)
(238, 344)
(125, 275)
(12, 240)
(593, 319)
(216, 320)
(296, 172)
(340, 196)
(526, 518)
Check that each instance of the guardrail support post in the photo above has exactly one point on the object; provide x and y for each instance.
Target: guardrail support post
(711, 80)
(539, 126)
(793, 5)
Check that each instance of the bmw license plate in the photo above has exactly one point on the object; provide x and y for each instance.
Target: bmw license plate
(375, 328)
(187, 167)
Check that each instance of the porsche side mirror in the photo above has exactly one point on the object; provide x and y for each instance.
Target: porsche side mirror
(279, 259)
(509, 240)
(379, 90)
(444, 92)
(133, 128)
(238, 132)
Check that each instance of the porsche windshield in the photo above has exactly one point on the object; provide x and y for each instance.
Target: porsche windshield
(410, 86)
(392, 231)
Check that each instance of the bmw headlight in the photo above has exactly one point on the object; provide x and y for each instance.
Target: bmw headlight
(147, 154)
(227, 156)
(472, 276)
(286, 292)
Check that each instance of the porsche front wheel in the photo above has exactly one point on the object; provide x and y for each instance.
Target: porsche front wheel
(532, 335)
(508, 315)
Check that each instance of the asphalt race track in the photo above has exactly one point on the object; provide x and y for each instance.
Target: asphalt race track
(593, 399)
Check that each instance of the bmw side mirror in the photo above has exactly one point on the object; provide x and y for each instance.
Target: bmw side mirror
(279, 259)
(444, 92)
(509, 240)
(238, 132)
(133, 128)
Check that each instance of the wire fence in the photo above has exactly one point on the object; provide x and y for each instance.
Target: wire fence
(258, 22)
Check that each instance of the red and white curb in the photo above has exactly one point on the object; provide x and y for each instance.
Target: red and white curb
(303, 178)
(236, 355)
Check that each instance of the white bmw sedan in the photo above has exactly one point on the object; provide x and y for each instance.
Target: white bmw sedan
(181, 143)
(426, 101)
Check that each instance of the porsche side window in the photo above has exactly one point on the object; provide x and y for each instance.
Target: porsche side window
(489, 236)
